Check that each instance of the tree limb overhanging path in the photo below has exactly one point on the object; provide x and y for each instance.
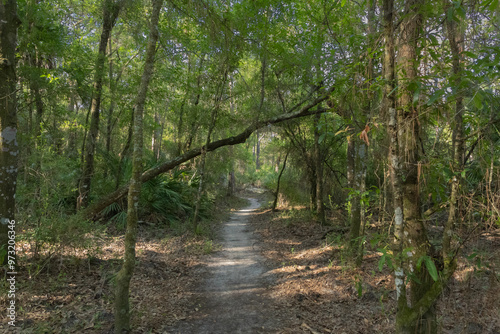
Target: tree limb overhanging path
(232, 294)
(94, 209)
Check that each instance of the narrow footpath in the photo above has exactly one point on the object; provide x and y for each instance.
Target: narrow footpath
(231, 297)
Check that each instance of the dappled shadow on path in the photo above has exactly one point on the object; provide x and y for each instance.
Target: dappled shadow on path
(231, 298)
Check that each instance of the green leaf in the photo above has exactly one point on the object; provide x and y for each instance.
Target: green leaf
(493, 5)
(478, 100)
(437, 94)
(381, 262)
(416, 95)
(434, 40)
(449, 14)
(470, 54)
(431, 267)
(414, 278)
(321, 138)
(472, 256)
(419, 262)
(461, 12)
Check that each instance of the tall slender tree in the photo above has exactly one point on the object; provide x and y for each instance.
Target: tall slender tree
(9, 149)
(111, 9)
(122, 307)
(455, 37)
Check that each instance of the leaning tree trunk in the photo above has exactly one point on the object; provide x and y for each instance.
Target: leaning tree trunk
(93, 210)
(9, 149)
(122, 307)
(110, 14)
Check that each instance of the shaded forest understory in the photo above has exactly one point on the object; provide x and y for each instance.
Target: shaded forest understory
(314, 290)
(127, 127)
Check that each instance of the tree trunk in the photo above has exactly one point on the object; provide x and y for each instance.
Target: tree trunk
(110, 14)
(201, 169)
(320, 206)
(72, 137)
(122, 308)
(357, 206)
(312, 188)
(389, 103)
(276, 194)
(353, 207)
(111, 109)
(408, 137)
(156, 142)
(257, 151)
(9, 149)
(455, 37)
(35, 90)
(231, 186)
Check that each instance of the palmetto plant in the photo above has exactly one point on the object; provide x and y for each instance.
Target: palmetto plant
(164, 199)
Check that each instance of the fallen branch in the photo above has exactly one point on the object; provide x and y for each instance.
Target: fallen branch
(95, 208)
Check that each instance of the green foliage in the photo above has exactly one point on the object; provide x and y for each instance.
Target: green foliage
(429, 264)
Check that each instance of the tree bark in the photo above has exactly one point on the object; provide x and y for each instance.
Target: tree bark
(9, 149)
(93, 210)
(157, 137)
(122, 308)
(415, 234)
(389, 103)
(110, 15)
(276, 194)
(125, 153)
(458, 148)
(320, 206)
(111, 109)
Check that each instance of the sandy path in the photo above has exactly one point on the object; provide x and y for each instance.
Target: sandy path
(231, 296)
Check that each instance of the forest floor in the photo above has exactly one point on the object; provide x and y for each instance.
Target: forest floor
(261, 272)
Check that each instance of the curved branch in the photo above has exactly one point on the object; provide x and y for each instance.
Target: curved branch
(95, 208)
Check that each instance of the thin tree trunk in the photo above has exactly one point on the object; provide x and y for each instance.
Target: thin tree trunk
(312, 187)
(231, 186)
(122, 307)
(110, 15)
(109, 123)
(277, 192)
(261, 105)
(357, 206)
(320, 206)
(35, 89)
(389, 103)
(125, 152)
(201, 169)
(456, 45)
(72, 110)
(9, 149)
(156, 137)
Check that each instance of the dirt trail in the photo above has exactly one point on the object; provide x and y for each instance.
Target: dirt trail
(231, 297)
